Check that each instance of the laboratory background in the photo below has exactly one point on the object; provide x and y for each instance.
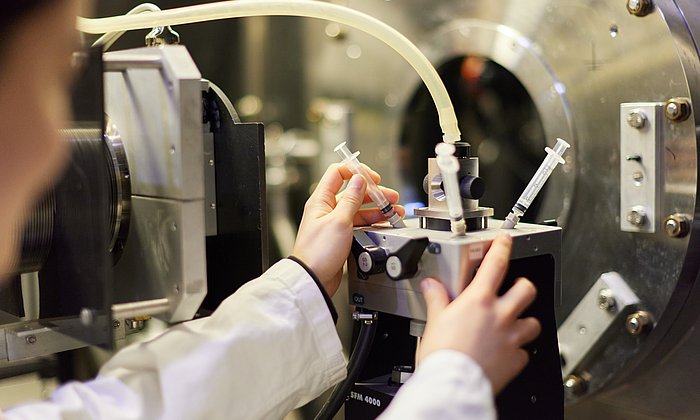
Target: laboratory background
(577, 131)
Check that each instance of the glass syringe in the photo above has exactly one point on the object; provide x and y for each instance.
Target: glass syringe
(350, 160)
(536, 183)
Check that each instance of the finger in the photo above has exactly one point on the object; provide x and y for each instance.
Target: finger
(495, 264)
(391, 195)
(435, 295)
(517, 298)
(347, 174)
(327, 188)
(351, 201)
(366, 217)
(525, 330)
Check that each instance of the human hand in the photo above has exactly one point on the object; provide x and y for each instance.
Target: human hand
(479, 322)
(325, 234)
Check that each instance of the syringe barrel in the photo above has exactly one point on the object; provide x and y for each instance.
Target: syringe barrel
(543, 172)
(351, 162)
(537, 181)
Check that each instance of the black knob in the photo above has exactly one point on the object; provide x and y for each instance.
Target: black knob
(370, 257)
(371, 260)
(472, 187)
(403, 263)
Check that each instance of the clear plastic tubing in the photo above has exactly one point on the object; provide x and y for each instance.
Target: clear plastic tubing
(554, 156)
(305, 8)
(449, 167)
(110, 38)
(350, 160)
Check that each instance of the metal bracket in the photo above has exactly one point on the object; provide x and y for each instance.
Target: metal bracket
(607, 302)
(640, 165)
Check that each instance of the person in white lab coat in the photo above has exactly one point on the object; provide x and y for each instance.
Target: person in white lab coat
(271, 346)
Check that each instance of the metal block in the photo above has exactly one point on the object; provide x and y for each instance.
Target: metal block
(641, 143)
(605, 305)
(452, 260)
(164, 256)
(32, 339)
(157, 109)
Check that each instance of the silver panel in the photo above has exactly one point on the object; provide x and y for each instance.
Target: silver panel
(589, 325)
(158, 112)
(31, 339)
(454, 265)
(641, 137)
(164, 256)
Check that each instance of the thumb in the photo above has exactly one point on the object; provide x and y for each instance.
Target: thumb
(352, 199)
(436, 297)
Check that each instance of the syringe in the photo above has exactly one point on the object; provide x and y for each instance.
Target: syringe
(536, 183)
(350, 160)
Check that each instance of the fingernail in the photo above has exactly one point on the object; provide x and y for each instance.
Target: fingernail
(356, 182)
(426, 284)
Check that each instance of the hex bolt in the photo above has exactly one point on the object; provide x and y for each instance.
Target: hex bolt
(31, 339)
(677, 109)
(636, 119)
(638, 323)
(640, 8)
(637, 216)
(575, 385)
(606, 300)
(676, 225)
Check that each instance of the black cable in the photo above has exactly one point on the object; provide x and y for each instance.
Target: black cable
(355, 365)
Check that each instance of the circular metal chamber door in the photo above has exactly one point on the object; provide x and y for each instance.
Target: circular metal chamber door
(599, 74)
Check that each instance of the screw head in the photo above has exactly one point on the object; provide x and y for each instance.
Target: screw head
(606, 300)
(640, 7)
(676, 225)
(575, 385)
(31, 339)
(638, 323)
(677, 109)
(636, 119)
(637, 216)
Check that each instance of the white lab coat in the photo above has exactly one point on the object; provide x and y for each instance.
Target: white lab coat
(269, 348)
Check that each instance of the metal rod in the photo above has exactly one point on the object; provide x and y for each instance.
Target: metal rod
(146, 307)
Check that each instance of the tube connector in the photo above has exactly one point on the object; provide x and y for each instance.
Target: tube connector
(367, 318)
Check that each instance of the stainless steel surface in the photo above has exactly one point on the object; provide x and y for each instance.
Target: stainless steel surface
(590, 328)
(642, 129)
(140, 308)
(158, 110)
(31, 339)
(164, 256)
(454, 265)
(578, 62)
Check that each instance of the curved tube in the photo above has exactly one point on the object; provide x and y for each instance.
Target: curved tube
(110, 38)
(305, 8)
(355, 366)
